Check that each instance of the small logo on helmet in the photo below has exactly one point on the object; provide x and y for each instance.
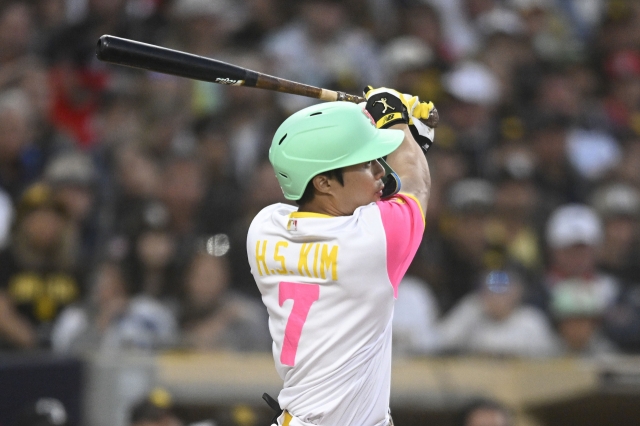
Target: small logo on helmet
(225, 80)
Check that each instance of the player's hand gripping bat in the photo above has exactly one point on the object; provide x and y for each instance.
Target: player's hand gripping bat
(122, 51)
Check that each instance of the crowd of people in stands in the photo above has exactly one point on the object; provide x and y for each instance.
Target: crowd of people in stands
(126, 195)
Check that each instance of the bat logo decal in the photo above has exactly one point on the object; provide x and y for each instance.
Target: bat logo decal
(228, 81)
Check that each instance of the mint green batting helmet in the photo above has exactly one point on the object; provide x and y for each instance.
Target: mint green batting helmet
(324, 137)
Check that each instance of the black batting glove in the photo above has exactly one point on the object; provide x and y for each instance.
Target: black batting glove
(386, 106)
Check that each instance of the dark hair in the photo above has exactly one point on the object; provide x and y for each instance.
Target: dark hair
(309, 191)
(482, 404)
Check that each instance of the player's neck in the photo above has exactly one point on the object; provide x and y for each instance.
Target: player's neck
(321, 205)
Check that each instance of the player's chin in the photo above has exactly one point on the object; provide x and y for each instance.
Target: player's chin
(378, 192)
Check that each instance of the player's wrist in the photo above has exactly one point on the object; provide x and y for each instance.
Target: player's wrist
(399, 126)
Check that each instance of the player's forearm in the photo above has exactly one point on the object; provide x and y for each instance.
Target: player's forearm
(410, 164)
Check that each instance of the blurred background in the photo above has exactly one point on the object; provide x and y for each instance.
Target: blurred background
(125, 198)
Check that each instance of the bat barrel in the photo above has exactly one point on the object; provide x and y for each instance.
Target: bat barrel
(135, 54)
(122, 51)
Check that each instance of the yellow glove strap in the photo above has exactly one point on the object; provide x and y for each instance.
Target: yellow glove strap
(389, 117)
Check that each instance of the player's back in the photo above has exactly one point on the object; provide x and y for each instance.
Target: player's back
(325, 283)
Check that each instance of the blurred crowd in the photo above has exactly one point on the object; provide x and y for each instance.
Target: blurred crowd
(125, 195)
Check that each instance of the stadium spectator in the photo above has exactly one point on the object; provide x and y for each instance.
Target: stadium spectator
(17, 33)
(219, 209)
(154, 410)
(151, 267)
(493, 321)
(516, 217)
(20, 159)
(204, 28)
(344, 56)
(556, 178)
(263, 189)
(573, 236)
(39, 270)
(455, 258)
(113, 319)
(475, 92)
(577, 310)
(74, 182)
(216, 317)
(135, 181)
(414, 319)
(618, 204)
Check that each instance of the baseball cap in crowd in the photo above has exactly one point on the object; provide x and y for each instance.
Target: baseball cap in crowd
(43, 412)
(499, 281)
(471, 195)
(501, 21)
(155, 407)
(39, 196)
(576, 298)
(617, 199)
(573, 224)
(73, 168)
(406, 54)
(474, 83)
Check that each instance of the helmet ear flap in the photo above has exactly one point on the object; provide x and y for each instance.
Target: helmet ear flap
(391, 180)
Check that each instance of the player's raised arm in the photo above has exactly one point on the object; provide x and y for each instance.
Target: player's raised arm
(391, 109)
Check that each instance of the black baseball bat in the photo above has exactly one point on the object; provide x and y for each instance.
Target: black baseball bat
(122, 51)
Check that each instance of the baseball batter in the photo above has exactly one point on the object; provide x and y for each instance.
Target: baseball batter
(329, 270)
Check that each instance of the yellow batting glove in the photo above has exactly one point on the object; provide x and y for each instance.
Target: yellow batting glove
(417, 109)
(419, 113)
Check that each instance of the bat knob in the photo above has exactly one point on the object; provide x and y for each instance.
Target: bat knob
(102, 47)
(433, 119)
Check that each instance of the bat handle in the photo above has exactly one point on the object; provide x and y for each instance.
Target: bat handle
(342, 96)
(332, 96)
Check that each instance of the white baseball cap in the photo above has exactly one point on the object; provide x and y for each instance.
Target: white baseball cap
(573, 224)
(474, 83)
(406, 53)
(617, 199)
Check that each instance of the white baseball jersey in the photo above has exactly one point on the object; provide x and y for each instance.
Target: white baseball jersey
(329, 285)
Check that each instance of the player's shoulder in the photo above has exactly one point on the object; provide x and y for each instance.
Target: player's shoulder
(277, 208)
(268, 213)
(403, 198)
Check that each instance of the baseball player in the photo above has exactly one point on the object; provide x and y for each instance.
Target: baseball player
(329, 270)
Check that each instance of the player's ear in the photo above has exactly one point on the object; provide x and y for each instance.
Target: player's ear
(322, 184)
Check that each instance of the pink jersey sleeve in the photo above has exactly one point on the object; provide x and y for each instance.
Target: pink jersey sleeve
(403, 224)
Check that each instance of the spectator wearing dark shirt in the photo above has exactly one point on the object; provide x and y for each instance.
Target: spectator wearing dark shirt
(38, 272)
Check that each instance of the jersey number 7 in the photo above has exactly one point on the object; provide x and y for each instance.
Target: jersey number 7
(303, 296)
